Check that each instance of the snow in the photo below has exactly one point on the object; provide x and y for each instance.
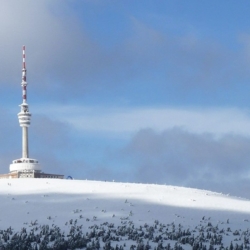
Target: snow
(55, 202)
(24, 200)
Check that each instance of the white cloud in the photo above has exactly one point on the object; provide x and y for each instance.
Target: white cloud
(178, 157)
(120, 121)
(54, 38)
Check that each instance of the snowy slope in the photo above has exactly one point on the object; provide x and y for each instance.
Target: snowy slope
(29, 199)
(47, 201)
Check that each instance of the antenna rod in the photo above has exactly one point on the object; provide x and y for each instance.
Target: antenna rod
(24, 83)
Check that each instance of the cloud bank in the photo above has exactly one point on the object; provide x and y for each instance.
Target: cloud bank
(178, 157)
(119, 120)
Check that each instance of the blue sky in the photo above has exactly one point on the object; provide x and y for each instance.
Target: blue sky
(137, 91)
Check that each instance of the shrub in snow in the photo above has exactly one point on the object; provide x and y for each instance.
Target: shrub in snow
(109, 236)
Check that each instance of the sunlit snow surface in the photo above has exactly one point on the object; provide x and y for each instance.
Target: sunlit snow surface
(24, 201)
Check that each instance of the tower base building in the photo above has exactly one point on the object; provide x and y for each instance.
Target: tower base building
(26, 167)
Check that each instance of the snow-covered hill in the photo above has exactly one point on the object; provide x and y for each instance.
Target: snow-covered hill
(32, 203)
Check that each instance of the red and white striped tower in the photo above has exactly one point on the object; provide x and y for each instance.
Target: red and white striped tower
(25, 163)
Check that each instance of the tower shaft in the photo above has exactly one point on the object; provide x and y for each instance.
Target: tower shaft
(25, 146)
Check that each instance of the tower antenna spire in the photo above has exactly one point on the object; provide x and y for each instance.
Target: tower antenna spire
(24, 83)
(24, 66)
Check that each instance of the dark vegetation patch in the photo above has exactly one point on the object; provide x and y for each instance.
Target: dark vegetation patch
(126, 236)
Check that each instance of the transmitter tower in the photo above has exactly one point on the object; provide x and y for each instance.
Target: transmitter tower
(25, 165)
